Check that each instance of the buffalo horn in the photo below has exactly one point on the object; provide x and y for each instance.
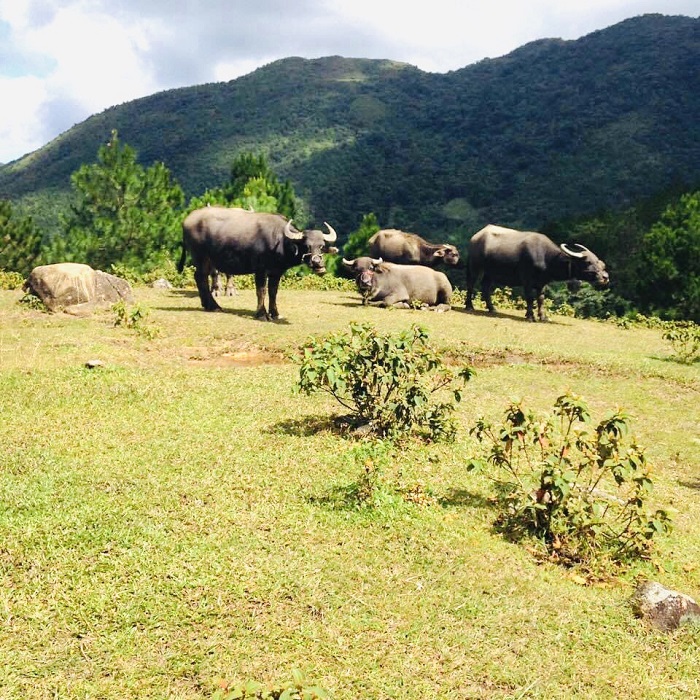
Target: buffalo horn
(378, 261)
(331, 235)
(294, 235)
(349, 263)
(570, 252)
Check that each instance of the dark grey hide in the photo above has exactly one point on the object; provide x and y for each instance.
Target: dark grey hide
(239, 242)
(404, 248)
(507, 257)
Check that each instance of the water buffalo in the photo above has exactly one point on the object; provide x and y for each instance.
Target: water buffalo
(240, 242)
(504, 256)
(388, 284)
(410, 249)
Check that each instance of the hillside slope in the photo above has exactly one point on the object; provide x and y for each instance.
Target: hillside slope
(552, 130)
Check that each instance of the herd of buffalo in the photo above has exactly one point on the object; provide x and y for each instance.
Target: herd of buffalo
(399, 270)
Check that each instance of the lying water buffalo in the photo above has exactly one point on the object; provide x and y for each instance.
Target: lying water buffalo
(506, 257)
(387, 284)
(240, 242)
(410, 249)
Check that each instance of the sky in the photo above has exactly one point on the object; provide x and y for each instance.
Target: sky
(62, 61)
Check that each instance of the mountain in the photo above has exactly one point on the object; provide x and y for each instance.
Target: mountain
(553, 130)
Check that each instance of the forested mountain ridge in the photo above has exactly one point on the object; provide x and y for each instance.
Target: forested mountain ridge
(553, 130)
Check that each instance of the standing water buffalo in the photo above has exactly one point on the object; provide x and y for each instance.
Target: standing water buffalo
(239, 242)
(513, 258)
(387, 284)
(410, 249)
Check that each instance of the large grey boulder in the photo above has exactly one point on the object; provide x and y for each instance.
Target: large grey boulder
(76, 288)
(664, 609)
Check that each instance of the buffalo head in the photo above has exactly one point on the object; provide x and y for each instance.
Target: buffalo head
(586, 265)
(447, 254)
(313, 244)
(363, 270)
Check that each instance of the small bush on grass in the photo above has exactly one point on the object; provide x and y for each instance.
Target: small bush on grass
(11, 280)
(389, 382)
(33, 302)
(296, 689)
(580, 491)
(684, 337)
(134, 318)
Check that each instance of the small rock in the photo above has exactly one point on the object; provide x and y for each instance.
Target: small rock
(664, 609)
(363, 430)
(162, 283)
(91, 364)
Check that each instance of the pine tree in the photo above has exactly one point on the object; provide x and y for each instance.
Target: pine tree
(124, 214)
(20, 241)
(670, 271)
(356, 245)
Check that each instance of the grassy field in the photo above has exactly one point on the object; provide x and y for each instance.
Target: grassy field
(174, 517)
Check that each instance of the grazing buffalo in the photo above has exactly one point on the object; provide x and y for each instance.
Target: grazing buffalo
(506, 257)
(410, 249)
(240, 242)
(404, 286)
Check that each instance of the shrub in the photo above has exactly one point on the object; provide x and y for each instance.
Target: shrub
(34, 303)
(582, 493)
(11, 280)
(684, 337)
(296, 689)
(386, 381)
(134, 318)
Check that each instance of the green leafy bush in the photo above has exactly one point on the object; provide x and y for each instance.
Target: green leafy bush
(33, 302)
(11, 280)
(389, 382)
(684, 337)
(134, 318)
(296, 689)
(580, 491)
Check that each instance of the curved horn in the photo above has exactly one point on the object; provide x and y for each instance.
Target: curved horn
(378, 261)
(293, 235)
(570, 252)
(349, 263)
(331, 235)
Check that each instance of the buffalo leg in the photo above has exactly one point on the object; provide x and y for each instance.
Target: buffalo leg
(471, 279)
(540, 306)
(273, 285)
(469, 303)
(215, 283)
(530, 301)
(261, 290)
(486, 289)
(201, 277)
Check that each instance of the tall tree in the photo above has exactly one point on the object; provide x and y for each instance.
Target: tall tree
(20, 241)
(669, 277)
(356, 244)
(124, 214)
(253, 172)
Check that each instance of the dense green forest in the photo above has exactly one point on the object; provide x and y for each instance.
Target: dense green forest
(596, 140)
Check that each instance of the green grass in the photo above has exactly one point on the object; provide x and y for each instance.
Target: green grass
(175, 517)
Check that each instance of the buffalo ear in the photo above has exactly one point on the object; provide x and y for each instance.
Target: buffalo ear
(332, 250)
(439, 253)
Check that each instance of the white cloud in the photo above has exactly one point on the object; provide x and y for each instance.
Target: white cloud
(18, 131)
(63, 60)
